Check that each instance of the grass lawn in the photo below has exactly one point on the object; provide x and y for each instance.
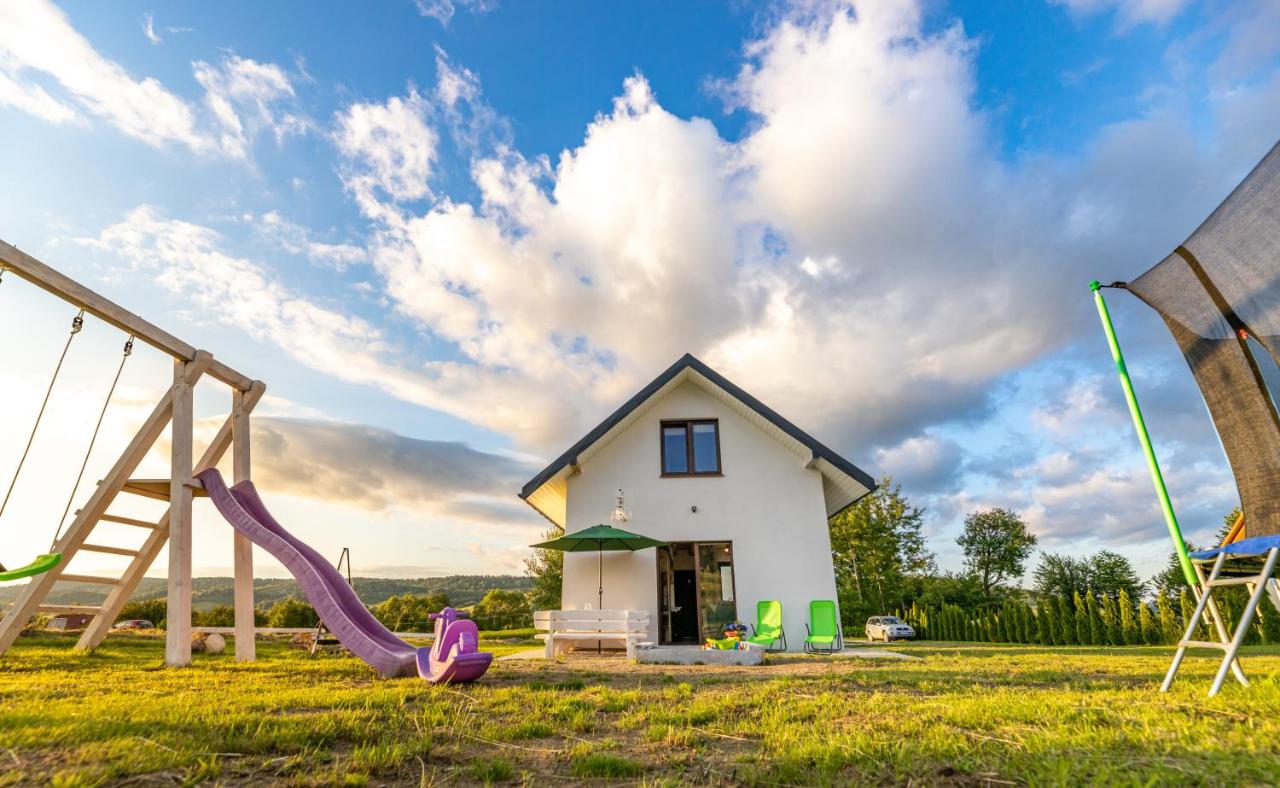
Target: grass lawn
(964, 714)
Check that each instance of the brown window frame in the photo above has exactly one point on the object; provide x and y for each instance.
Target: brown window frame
(688, 447)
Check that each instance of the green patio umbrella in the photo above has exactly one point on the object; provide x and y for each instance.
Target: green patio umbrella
(599, 538)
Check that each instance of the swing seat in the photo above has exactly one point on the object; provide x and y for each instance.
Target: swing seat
(42, 564)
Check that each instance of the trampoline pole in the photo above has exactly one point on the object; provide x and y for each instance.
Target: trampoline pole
(1139, 426)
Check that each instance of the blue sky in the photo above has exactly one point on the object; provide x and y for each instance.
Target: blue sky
(433, 228)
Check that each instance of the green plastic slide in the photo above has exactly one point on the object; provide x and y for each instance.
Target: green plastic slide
(42, 564)
(823, 627)
(768, 628)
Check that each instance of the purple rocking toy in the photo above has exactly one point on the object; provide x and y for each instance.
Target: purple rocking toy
(453, 658)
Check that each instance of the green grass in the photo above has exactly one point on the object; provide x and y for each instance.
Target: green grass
(961, 715)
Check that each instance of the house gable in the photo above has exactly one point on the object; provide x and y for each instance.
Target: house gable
(843, 483)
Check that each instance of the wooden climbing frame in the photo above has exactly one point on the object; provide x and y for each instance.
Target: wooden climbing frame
(174, 525)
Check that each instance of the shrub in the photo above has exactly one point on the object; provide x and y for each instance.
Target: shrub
(1129, 632)
(1188, 610)
(292, 612)
(1150, 633)
(1066, 623)
(410, 612)
(503, 609)
(1169, 629)
(1111, 618)
(1080, 618)
(1044, 623)
(152, 610)
(1097, 635)
(216, 616)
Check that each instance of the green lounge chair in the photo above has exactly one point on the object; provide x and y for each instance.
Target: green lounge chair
(767, 630)
(823, 628)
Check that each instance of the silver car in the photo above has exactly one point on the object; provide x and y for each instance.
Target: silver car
(888, 628)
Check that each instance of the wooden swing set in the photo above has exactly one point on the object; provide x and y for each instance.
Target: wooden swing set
(173, 525)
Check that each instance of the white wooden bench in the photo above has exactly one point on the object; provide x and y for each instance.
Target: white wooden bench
(564, 628)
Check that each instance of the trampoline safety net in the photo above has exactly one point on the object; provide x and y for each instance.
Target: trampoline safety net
(1215, 292)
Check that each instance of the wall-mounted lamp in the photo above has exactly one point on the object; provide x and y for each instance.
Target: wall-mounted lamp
(619, 512)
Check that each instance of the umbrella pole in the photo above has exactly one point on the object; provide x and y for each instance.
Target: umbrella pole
(600, 592)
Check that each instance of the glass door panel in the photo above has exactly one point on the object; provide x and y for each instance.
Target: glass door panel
(715, 588)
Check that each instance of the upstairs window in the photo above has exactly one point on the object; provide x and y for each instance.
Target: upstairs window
(691, 448)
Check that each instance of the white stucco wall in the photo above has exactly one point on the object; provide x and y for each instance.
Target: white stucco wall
(767, 504)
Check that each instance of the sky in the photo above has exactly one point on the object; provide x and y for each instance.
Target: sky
(453, 235)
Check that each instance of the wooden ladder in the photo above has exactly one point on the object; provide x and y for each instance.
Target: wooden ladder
(31, 600)
(124, 586)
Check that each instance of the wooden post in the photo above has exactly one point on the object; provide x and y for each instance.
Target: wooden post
(101, 624)
(177, 638)
(242, 548)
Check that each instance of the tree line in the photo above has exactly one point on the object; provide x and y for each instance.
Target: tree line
(498, 609)
(1088, 619)
(883, 565)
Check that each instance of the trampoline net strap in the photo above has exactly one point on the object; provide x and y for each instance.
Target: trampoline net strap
(1223, 281)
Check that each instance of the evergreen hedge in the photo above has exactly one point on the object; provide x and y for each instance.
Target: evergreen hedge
(1086, 620)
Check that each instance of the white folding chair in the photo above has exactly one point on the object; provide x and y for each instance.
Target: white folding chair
(1250, 563)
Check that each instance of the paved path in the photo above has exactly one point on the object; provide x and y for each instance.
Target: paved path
(873, 653)
(533, 653)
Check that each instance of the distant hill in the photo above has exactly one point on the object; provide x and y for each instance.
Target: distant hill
(462, 590)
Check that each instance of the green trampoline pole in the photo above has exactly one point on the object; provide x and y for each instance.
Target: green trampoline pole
(1139, 426)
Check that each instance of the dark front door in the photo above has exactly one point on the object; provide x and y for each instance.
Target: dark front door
(684, 610)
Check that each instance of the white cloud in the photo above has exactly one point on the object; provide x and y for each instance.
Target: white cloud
(149, 28)
(35, 100)
(443, 10)
(374, 469)
(923, 464)
(296, 239)
(471, 121)
(241, 95)
(36, 38)
(784, 260)
(187, 259)
(390, 149)
(1129, 12)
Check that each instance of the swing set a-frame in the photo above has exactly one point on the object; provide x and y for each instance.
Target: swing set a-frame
(172, 526)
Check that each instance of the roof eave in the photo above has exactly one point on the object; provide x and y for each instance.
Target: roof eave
(689, 361)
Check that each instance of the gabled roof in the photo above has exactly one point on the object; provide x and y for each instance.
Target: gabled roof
(843, 483)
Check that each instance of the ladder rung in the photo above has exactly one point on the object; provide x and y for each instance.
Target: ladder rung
(102, 548)
(106, 581)
(115, 518)
(1235, 581)
(82, 610)
(1204, 644)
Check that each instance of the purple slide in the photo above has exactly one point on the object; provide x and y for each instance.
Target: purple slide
(452, 658)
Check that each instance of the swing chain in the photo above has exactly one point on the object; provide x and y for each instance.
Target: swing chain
(62, 521)
(77, 323)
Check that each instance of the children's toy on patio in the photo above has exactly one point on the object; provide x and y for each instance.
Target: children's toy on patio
(735, 638)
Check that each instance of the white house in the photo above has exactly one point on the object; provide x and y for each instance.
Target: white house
(740, 494)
